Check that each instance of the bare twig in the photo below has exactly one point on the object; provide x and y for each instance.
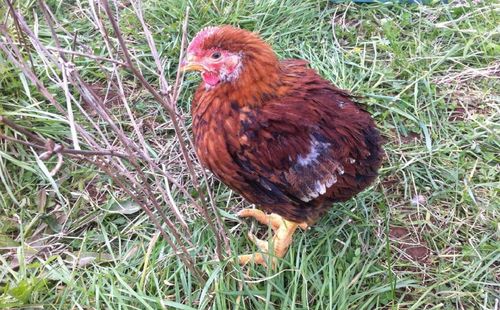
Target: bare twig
(143, 169)
(24, 131)
(18, 28)
(173, 97)
(168, 104)
(86, 55)
(58, 165)
(66, 151)
(44, 145)
(179, 75)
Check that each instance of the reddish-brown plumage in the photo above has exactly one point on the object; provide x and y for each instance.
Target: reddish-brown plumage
(279, 134)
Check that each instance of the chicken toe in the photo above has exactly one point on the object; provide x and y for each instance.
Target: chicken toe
(278, 245)
(272, 220)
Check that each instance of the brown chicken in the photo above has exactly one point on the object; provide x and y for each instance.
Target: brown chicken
(277, 133)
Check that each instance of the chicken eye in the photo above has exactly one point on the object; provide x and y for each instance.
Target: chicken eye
(216, 55)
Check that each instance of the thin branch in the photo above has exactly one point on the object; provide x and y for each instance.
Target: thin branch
(180, 74)
(91, 56)
(85, 153)
(167, 105)
(164, 87)
(173, 95)
(20, 129)
(18, 28)
(135, 166)
(144, 205)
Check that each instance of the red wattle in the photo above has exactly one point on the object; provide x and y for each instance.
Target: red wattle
(210, 78)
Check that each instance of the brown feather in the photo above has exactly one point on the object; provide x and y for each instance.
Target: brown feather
(282, 136)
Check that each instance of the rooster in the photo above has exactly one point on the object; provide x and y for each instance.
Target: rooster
(277, 133)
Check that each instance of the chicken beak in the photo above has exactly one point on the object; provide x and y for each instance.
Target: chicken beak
(190, 64)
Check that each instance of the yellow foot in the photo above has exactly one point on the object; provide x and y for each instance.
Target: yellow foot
(283, 232)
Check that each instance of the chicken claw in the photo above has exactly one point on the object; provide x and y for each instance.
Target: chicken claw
(283, 232)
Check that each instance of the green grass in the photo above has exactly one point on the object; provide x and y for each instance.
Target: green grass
(429, 74)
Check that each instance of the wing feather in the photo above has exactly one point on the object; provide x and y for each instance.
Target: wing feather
(307, 143)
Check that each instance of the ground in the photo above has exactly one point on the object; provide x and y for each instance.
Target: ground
(424, 236)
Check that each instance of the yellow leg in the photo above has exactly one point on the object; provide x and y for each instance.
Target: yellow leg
(283, 232)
